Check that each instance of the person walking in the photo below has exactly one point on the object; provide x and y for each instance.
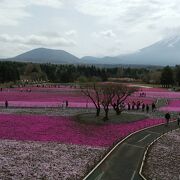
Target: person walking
(138, 105)
(6, 104)
(67, 103)
(153, 107)
(129, 107)
(143, 107)
(147, 108)
(178, 119)
(133, 105)
(167, 117)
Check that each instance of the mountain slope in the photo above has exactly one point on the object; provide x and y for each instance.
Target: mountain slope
(164, 52)
(43, 55)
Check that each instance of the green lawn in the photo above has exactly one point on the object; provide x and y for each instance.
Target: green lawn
(90, 118)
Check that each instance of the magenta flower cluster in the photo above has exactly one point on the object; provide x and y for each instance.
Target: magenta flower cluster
(173, 106)
(66, 130)
(49, 98)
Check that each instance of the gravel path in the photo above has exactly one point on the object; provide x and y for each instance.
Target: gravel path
(52, 161)
(47, 111)
(163, 160)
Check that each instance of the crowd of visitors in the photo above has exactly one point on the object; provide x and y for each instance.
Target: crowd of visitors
(141, 106)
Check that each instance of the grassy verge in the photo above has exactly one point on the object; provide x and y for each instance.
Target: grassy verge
(90, 118)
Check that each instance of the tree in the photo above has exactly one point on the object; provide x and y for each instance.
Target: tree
(177, 75)
(121, 93)
(93, 91)
(167, 77)
(107, 95)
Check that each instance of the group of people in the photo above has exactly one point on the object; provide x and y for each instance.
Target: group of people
(168, 117)
(65, 104)
(141, 105)
(142, 94)
(26, 90)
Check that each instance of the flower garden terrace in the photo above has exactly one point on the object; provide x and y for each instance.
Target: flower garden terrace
(30, 137)
(172, 106)
(54, 97)
(67, 130)
(60, 146)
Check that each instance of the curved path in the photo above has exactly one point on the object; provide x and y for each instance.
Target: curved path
(124, 162)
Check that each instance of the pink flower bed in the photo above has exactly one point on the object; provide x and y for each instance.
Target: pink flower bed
(43, 89)
(53, 99)
(147, 88)
(41, 97)
(173, 106)
(154, 90)
(65, 130)
(151, 94)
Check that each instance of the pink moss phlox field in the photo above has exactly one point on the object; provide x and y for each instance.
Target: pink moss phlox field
(154, 89)
(173, 106)
(54, 99)
(41, 97)
(66, 130)
(154, 94)
(43, 89)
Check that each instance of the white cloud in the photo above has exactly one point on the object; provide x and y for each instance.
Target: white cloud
(104, 34)
(108, 33)
(38, 40)
(71, 33)
(11, 12)
(130, 12)
(133, 23)
(49, 3)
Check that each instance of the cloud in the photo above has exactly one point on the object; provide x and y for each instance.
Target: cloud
(11, 12)
(71, 33)
(48, 3)
(105, 34)
(38, 40)
(130, 12)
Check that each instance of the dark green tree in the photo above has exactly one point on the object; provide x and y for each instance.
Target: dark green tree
(177, 75)
(167, 77)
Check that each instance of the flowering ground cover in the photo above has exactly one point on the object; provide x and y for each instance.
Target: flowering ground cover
(43, 89)
(37, 160)
(152, 89)
(154, 94)
(148, 88)
(54, 99)
(173, 106)
(163, 158)
(41, 97)
(66, 130)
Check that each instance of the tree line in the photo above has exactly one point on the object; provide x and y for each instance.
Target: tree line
(15, 71)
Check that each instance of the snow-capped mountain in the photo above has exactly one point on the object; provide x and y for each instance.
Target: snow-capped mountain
(164, 52)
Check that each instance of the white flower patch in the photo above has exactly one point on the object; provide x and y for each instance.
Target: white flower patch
(163, 160)
(37, 160)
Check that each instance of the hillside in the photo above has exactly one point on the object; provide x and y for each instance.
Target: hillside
(43, 55)
(164, 52)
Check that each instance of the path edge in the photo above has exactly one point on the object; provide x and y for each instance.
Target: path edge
(119, 143)
(146, 152)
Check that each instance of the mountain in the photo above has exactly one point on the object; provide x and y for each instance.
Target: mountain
(164, 52)
(103, 60)
(43, 55)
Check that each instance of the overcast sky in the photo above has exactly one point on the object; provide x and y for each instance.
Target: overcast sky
(85, 27)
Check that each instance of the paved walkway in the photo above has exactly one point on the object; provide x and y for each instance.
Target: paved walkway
(124, 163)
